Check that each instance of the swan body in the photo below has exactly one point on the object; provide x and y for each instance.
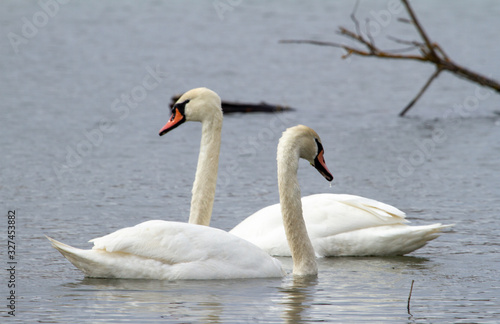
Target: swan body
(340, 225)
(166, 250)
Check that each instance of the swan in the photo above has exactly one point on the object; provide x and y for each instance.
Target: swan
(341, 225)
(338, 224)
(167, 250)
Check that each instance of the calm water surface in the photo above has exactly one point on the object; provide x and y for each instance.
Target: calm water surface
(84, 93)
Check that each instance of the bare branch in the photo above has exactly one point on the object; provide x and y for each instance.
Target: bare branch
(313, 42)
(353, 17)
(402, 41)
(351, 50)
(440, 50)
(429, 52)
(404, 20)
(426, 85)
(401, 50)
(371, 41)
(349, 34)
(419, 28)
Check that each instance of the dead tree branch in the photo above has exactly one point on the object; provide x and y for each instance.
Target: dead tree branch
(426, 85)
(430, 52)
(409, 298)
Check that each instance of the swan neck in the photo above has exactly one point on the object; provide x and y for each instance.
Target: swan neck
(205, 181)
(304, 259)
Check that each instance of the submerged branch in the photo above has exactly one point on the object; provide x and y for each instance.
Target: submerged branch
(426, 85)
(409, 297)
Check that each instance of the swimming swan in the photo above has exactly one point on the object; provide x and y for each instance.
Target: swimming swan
(172, 250)
(338, 224)
(341, 225)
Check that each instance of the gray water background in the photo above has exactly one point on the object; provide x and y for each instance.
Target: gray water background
(78, 163)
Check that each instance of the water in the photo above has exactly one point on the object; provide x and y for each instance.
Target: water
(84, 96)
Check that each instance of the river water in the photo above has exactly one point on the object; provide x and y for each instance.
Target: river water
(85, 87)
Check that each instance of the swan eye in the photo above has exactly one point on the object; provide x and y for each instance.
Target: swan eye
(180, 106)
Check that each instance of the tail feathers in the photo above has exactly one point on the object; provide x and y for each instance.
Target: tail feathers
(425, 232)
(418, 236)
(387, 240)
(98, 263)
(78, 257)
(432, 231)
(61, 247)
(435, 228)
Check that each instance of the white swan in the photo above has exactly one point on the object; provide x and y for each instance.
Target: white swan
(165, 250)
(338, 225)
(341, 225)
(172, 250)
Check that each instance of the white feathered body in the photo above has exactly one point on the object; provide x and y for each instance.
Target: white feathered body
(340, 225)
(169, 251)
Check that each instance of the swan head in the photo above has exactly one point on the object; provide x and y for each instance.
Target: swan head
(197, 104)
(309, 146)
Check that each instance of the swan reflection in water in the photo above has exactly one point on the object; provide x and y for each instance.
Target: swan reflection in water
(196, 301)
(347, 287)
(298, 294)
(350, 286)
(202, 301)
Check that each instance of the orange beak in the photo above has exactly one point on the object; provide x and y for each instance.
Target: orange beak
(320, 165)
(175, 120)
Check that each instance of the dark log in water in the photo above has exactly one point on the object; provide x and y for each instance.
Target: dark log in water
(229, 107)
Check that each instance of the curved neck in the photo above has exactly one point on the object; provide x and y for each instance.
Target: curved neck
(304, 259)
(206, 172)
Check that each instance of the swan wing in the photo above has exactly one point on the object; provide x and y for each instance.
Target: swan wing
(169, 251)
(327, 216)
(168, 242)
